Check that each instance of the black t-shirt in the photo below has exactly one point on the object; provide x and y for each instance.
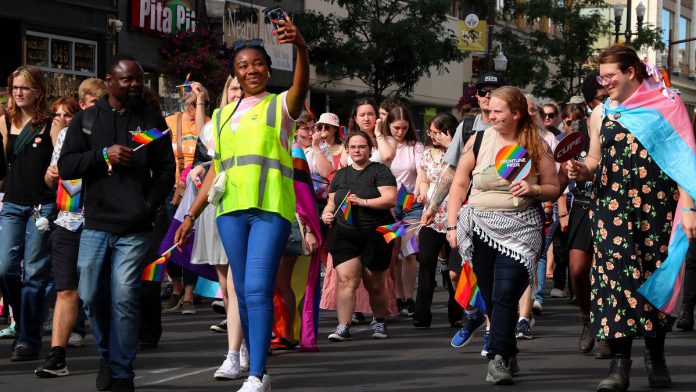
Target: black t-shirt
(364, 184)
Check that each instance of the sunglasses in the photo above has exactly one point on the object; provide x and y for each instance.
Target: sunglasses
(550, 115)
(482, 92)
(322, 127)
(247, 43)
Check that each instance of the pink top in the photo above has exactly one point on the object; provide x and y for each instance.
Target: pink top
(405, 164)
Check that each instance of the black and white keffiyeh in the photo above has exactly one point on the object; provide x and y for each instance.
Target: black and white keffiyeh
(517, 234)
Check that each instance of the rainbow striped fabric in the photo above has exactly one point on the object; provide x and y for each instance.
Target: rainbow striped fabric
(660, 121)
(68, 195)
(186, 87)
(347, 210)
(394, 230)
(147, 136)
(405, 199)
(155, 271)
(468, 293)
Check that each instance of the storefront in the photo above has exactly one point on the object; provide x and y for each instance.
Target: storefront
(68, 41)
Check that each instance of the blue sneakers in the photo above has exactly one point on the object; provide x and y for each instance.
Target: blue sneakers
(470, 324)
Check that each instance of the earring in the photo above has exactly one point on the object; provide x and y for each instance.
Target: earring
(269, 74)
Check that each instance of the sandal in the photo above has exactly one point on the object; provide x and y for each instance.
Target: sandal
(9, 332)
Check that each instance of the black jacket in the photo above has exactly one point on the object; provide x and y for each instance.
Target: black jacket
(125, 202)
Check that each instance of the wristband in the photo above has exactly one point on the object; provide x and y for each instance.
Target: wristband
(538, 188)
(190, 215)
(686, 209)
(109, 168)
(450, 228)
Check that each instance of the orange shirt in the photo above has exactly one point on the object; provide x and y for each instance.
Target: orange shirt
(189, 137)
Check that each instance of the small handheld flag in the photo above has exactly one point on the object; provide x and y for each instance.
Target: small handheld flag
(347, 212)
(393, 231)
(144, 138)
(468, 293)
(405, 199)
(186, 87)
(155, 271)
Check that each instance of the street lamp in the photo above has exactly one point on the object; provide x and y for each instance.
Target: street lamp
(500, 62)
(640, 14)
(618, 13)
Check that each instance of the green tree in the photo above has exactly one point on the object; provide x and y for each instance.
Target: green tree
(555, 64)
(386, 44)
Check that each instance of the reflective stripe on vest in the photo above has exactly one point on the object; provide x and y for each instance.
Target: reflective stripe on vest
(237, 154)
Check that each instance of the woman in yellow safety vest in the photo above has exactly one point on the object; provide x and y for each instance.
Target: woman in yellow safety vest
(252, 186)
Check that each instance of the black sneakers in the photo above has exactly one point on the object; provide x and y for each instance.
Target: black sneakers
(22, 352)
(104, 378)
(54, 366)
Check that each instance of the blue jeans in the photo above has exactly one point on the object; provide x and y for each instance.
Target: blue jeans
(21, 241)
(502, 281)
(541, 264)
(254, 241)
(110, 267)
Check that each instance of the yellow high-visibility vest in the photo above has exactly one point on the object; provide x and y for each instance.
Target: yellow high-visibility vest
(259, 169)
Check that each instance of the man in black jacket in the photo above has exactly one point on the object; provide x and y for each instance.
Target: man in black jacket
(123, 189)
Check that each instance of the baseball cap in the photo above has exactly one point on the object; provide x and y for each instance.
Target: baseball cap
(490, 79)
(328, 118)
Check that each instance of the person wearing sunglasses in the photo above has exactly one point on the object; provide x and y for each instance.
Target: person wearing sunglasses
(252, 186)
(549, 113)
(592, 91)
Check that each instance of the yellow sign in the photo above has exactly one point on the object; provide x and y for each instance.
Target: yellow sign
(472, 34)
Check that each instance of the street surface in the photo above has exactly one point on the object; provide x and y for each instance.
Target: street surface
(410, 360)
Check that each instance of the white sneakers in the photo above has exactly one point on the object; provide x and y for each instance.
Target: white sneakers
(230, 369)
(244, 357)
(253, 384)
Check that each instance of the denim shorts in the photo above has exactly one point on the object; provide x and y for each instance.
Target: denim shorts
(414, 214)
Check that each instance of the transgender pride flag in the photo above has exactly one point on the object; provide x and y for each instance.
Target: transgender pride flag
(663, 126)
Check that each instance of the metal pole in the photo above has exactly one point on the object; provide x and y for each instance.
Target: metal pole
(617, 26)
(628, 22)
(489, 41)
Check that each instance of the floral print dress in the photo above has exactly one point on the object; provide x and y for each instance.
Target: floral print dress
(632, 223)
(433, 168)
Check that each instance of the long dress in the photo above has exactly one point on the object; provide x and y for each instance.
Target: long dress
(632, 221)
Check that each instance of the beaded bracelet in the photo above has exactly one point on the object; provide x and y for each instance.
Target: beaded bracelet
(109, 168)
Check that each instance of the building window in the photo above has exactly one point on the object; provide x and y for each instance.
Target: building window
(683, 34)
(55, 53)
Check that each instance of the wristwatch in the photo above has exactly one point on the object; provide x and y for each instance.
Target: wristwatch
(450, 228)
(190, 215)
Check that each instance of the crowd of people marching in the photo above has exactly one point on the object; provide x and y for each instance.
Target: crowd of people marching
(95, 191)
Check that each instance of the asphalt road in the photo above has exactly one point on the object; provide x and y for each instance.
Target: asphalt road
(410, 360)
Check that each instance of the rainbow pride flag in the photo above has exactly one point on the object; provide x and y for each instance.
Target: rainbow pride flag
(468, 293)
(148, 136)
(155, 271)
(405, 199)
(186, 87)
(347, 210)
(660, 121)
(394, 230)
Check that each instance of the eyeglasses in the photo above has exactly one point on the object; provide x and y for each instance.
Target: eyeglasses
(434, 133)
(247, 43)
(23, 89)
(322, 127)
(601, 98)
(306, 129)
(550, 115)
(606, 79)
(360, 147)
(482, 92)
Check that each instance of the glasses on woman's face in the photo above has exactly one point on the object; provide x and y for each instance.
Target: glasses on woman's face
(551, 115)
(432, 133)
(24, 89)
(567, 122)
(305, 128)
(322, 127)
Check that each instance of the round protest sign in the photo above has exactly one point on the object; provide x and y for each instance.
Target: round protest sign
(569, 146)
(513, 162)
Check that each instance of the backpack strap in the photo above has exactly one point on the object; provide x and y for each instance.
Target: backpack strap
(89, 118)
(478, 139)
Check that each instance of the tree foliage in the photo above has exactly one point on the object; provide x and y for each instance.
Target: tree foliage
(554, 63)
(386, 44)
(195, 53)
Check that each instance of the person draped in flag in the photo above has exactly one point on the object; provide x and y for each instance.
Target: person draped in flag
(359, 252)
(643, 158)
(500, 230)
(252, 186)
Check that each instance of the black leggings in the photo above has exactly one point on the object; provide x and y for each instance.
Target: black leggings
(430, 243)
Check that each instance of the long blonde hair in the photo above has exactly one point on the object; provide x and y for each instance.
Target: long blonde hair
(34, 76)
(528, 134)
